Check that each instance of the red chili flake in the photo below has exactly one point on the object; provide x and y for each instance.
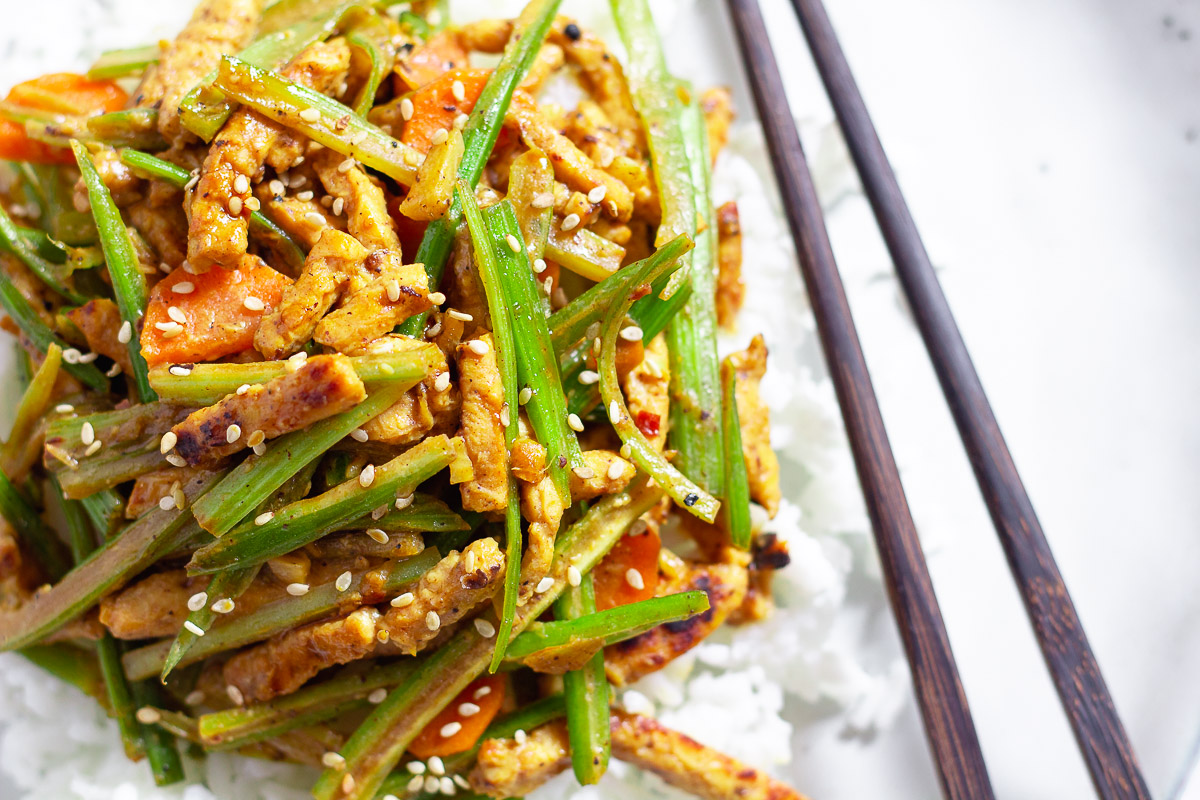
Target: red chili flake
(648, 423)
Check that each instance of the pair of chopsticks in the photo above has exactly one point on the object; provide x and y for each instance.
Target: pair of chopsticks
(947, 719)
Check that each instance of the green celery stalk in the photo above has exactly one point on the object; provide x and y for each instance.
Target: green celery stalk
(230, 583)
(42, 336)
(20, 452)
(737, 487)
(586, 692)
(51, 274)
(373, 38)
(124, 62)
(159, 738)
(37, 535)
(133, 127)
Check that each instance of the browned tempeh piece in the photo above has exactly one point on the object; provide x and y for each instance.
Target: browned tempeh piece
(152, 487)
(686, 764)
(762, 465)
(217, 27)
(304, 220)
(717, 105)
(216, 235)
(321, 387)
(430, 407)
(154, 606)
(99, 320)
(483, 404)
(164, 227)
(731, 291)
(646, 390)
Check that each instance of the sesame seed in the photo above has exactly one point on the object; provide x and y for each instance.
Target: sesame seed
(367, 476)
(525, 396)
(343, 581)
(87, 358)
(197, 601)
(235, 206)
(297, 589)
(542, 200)
(439, 136)
(223, 606)
(313, 218)
(415, 784)
(519, 736)
(436, 766)
(615, 470)
(459, 315)
(461, 121)
(588, 377)
(631, 333)
(406, 109)
(468, 709)
(442, 382)
(338, 205)
(235, 695)
(539, 265)
(437, 298)
(193, 628)
(431, 784)
(378, 535)
(433, 621)
(347, 783)
(478, 346)
(450, 729)
(614, 412)
(264, 518)
(378, 696)
(233, 433)
(333, 760)
(87, 434)
(481, 692)
(548, 285)
(93, 447)
(241, 184)
(402, 600)
(176, 460)
(358, 138)
(404, 502)
(255, 438)
(147, 715)
(346, 165)
(584, 473)
(505, 416)
(169, 330)
(179, 372)
(71, 355)
(575, 423)
(358, 435)
(393, 290)
(253, 304)
(298, 357)
(252, 204)
(485, 629)
(514, 243)
(379, 513)
(310, 115)
(626, 451)
(469, 561)
(305, 195)
(570, 222)
(64, 408)
(195, 698)
(634, 579)
(416, 767)
(184, 287)
(545, 585)
(277, 188)
(114, 371)
(459, 91)
(259, 449)
(573, 575)
(241, 390)
(597, 194)
(326, 200)
(461, 781)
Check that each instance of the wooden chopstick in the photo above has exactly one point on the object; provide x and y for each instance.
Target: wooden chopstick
(1085, 697)
(943, 704)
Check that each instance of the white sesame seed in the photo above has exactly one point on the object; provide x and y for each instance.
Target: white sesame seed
(588, 377)
(259, 449)
(505, 416)
(539, 265)
(169, 330)
(461, 781)
(469, 561)
(575, 423)
(459, 315)
(379, 513)
(478, 346)
(113, 371)
(343, 581)
(393, 290)
(180, 371)
(415, 784)
(585, 473)
(449, 729)
(378, 535)
(573, 575)
(631, 333)
(514, 243)
(433, 621)
(468, 709)
(93, 448)
(326, 200)
(416, 767)
(616, 470)
(519, 736)
(377, 696)
(264, 518)
(545, 584)
(431, 784)
(597, 194)
(235, 206)
(442, 382)
(338, 205)
(253, 304)
(367, 476)
(235, 695)
(333, 760)
(458, 90)
(346, 165)
(570, 222)
(436, 766)
(634, 579)
(358, 435)
(298, 357)
(542, 200)
(193, 628)
(358, 138)
(241, 184)
(481, 692)
(439, 136)
(223, 606)
(406, 109)
(87, 434)
(525, 396)
(305, 195)
(548, 285)
(195, 698)
(241, 390)
(256, 438)
(197, 601)
(404, 502)
(461, 121)
(277, 188)
(348, 783)
(252, 204)
(485, 629)
(314, 218)
(297, 589)
(402, 600)
(176, 460)
(147, 715)
(437, 298)
(184, 287)
(64, 408)
(87, 358)
(310, 115)
(233, 433)
(71, 355)
(614, 412)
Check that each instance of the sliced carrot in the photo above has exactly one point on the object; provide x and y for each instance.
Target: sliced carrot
(60, 93)
(217, 320)
(611, 576)
(440, 53)
(435, 106)
(486, 694)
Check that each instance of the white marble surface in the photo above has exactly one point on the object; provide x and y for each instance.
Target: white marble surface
(1048, 150)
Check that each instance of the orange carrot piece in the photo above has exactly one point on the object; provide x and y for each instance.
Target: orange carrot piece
(60, 93)
(435, 106)
(636, 551)
(431, 741)
(440, 53)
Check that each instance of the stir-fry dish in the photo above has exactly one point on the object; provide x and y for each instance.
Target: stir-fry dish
(372, 414)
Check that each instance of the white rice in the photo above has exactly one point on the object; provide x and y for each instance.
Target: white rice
(733, 691)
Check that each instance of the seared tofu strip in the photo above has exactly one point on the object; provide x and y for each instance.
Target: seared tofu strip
(164, 227)
(646, 392)
(482, 430)
(688, 765)
(305, 220)
(152, 487)
(286, 662)
(549, 60)
(327, 270)
(762, 465)
(485, 35)
(217, 232)
(455, 586)
(604, 472)
(154, 606)
(122, 183)
(463, 287)
(321, 387)
(731, 291)
(602, 73)
(217, 27)
(571, 165)
(99, 320)
(508, 768)
(717, 105)
(431, 407)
